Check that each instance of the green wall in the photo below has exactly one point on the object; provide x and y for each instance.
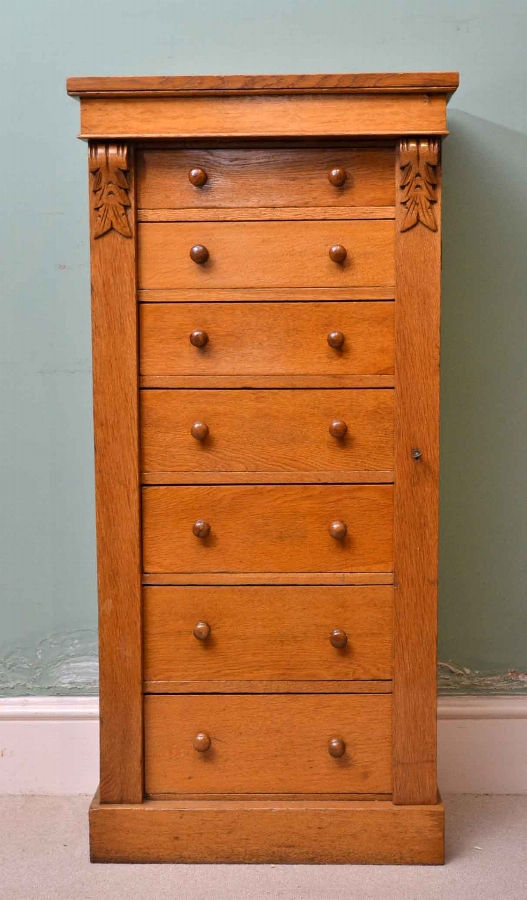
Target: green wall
(47, 567)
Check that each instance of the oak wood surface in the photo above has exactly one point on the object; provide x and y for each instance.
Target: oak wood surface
(267, 527)
(265, 656)
(260, 686)
(333, 476)
(259, 214)
(265, 431)
(263, 831)
(115, 405)
(370, 115)
(418, 274)
(265, 178)
(231, 382)
(233, 796)
(271, 743)
(281, 633)
(218, 84)
(265, 254)
(267, 338)
(303, 578)
(210, 295)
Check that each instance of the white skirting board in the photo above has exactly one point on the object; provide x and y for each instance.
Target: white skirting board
(49, 745)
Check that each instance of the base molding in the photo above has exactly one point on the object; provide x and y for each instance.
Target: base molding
(263, 831)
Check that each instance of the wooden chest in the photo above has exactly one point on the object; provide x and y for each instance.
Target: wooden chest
(265, 285)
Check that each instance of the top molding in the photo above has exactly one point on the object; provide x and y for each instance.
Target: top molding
(240, 85)
(235, 107)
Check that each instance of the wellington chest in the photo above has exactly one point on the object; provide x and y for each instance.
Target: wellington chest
(265, 257)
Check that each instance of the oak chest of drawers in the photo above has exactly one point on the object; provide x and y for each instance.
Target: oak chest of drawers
(265, 290)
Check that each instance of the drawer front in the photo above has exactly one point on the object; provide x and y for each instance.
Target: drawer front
(268, 744)
(268, 528)
(253, 178)
(267, 338)
(265, 254)
(277, 633)
(266, 431)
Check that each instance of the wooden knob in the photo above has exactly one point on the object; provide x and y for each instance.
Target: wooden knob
(337, 253)
(201, 528)
(338, 638)
(202, 742)
(198, 177)
(200, 338)
(338, 530)
(336, 747)
(199, 431)
(337, 429)
(199, 254)
(336, 339)
(337, 176)
(201, 631)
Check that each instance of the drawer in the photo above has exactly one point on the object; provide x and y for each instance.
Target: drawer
(277, 633)
(253, 178)
(266, 430)
(267, 338)
(267, 744)
(265, 254)
(268, 528)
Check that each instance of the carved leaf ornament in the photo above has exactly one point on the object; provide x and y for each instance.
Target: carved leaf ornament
(419, 160)
(110, 189)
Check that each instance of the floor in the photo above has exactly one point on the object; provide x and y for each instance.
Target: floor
(43, 856)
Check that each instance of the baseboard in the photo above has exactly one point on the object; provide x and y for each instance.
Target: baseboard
(50, 745)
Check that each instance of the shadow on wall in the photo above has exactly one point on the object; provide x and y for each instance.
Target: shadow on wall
(483, 614)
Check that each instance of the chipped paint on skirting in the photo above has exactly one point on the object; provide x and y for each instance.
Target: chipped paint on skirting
(455, 679)
(65, 663)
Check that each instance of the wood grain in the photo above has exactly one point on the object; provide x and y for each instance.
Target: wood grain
(231, 796)
(302, 578)
(267, 338)
(265, 381)
(267, 633)
(260, 831)
(267, 527)
(266, 431)
(115, 399)
(268, 687)
(221, 295)
(260, 214)
(334, 476)
(418, 273)
(265, 254)
(370, 115)
(266, 178)
(218, 84)
(271, 743)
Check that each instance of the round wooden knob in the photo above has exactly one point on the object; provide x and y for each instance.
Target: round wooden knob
(336, 747)
(337, 176)
(338, 530)
(199, 431)
(199, 254)
(337, 253)
(199, 338)
(338, 428)
(336, 339)
(338, 638)
(202, 742)
(201, 528)
(198, 177)
(201, 631)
